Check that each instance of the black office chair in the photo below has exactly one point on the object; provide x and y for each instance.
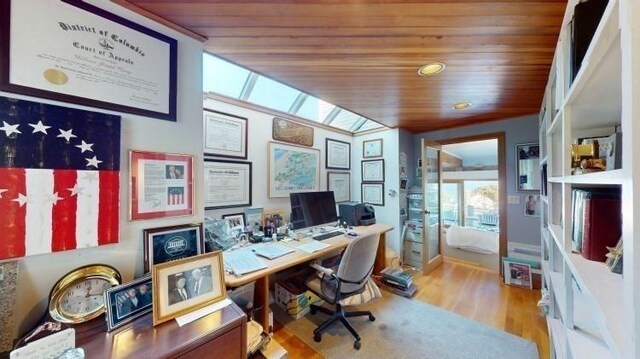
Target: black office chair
(353, 273)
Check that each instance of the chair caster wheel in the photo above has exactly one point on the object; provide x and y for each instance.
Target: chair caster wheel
(356, 345)
(372, 318)
(317, 338)
(313, 310)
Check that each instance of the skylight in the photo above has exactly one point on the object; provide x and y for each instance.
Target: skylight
(231, 80)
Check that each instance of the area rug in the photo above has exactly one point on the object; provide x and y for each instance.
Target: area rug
(408, 328)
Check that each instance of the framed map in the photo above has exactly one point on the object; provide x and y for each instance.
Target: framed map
(293, 169)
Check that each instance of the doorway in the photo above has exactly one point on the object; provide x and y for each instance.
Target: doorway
(473, 200)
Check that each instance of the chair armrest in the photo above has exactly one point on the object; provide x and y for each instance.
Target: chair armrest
(321, 269)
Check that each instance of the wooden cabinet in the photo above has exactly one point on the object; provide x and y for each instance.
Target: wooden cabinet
(218, 335)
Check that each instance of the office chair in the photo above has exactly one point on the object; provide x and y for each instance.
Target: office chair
(353, 273)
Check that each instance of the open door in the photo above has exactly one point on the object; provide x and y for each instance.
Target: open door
(432, 181)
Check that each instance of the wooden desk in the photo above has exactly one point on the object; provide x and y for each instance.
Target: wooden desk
(222, 334)
(338, 243)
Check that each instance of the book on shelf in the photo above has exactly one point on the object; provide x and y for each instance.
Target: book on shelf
(597, 222)
(397, 275)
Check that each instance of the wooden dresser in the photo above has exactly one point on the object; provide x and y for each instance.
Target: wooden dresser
(221, 335)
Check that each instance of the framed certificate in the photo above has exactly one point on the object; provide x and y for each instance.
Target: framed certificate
(76, 52)
(227, 184)
(373, 171)
(225, 135)
(372, 148)
(337, 155)
(161, 185)
(340, 184)
(373, 193)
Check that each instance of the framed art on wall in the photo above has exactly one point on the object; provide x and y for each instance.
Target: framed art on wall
(227, 184)
(337, 154)
(91, 57)
(372, 148)
(528, 167)
(165, 244)
(292, 132)
(161, 185)
(373, 193)
(340, 184)
(293, 169)
(225, 135)
(185, 285)
(373, 170)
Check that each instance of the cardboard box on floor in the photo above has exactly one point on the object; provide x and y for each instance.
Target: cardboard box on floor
(293, 298)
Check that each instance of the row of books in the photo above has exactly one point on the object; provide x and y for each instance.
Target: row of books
(597, 221)
(398, 281)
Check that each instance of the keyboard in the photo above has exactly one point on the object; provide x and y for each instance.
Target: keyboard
(327, 235)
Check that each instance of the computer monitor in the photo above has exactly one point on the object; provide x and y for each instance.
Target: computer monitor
(310, 209)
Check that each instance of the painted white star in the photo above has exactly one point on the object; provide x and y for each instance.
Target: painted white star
(39, 127)
(76, 190)
(22, 199)
(90, 176)
(2, 190)
(93, 161)
(67, 135)
(9, 129)
(53, 198)
(85, 146)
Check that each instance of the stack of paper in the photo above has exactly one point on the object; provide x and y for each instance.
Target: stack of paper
(313, 246)
(242, 261)
(272, 251)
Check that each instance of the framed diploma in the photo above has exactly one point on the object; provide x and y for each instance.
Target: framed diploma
(225, 135)
(372, 148)
(373, 193)
(161, 185)
(373, 171)
(340, 184)
(227, 184)
(76, 52)
(337, 155)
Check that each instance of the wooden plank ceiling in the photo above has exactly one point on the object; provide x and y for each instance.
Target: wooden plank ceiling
(364, 55)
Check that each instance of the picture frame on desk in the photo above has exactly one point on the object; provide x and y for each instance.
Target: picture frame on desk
(165, 244)
(126, 302)
(188, 284)
(236, 221)
(109, 62)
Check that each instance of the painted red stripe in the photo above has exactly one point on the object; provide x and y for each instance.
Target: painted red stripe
(109, 210)
(13, 223)
(64, 211)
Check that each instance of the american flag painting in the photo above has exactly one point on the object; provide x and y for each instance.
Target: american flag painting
(176, 195)
(59, 178)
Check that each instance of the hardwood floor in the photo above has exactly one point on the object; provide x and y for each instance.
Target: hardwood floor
(470, 291)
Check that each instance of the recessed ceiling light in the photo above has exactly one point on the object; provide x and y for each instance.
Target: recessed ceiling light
(461, 105)
(431, 69)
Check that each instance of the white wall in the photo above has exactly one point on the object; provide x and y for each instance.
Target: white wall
(389, 213)
(38, 274)
(259, 124)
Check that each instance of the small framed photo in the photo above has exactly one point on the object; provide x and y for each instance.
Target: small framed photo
(517, 274)
(185, 285)
(337, 154)
(225, 135)
(373, 193)
(167, 244)
(373, 170)
(340, 184)
(161, 185)
(372, 148)
(236, 221)
(532, 205)
(253, 218)
(274, 218)
(127, 302)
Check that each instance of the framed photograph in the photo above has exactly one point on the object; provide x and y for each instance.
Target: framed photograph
(167, 244)
(372, 148)
(373, 193)
(227, 184)
(292, 132)
(532, 205)
(373, 170)
(292, 169)
(126, 302)
(274, 218)
(91, 58)
(161, 185)
(340, 184)
(528, 167)
(236, 221)
(185, 285)
(253, 218)
(337, 154)
(517, 274)
(225, 135)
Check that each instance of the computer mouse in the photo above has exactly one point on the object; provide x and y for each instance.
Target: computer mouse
(352, 234)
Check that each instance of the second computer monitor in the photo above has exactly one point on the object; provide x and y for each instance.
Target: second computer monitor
(309, 209)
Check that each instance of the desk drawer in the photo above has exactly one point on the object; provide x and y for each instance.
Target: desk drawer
(412, 251)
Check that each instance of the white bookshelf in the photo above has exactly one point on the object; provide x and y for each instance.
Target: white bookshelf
(593, 313)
